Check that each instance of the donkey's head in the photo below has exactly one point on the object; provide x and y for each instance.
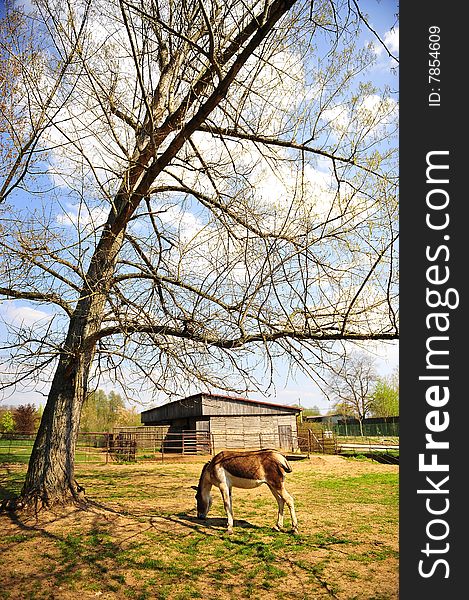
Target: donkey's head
(203, 496)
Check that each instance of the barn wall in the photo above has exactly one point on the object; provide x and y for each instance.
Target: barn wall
(232, 422)
(251, 432)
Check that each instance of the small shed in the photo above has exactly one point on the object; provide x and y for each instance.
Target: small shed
(230, 422)
(329, 420)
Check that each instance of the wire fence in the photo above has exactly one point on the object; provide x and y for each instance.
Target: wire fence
(368, 429)
(118, 446)
(160, 444)
(17, 447)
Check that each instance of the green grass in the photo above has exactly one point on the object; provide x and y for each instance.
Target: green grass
(15, 451)
(368, 439)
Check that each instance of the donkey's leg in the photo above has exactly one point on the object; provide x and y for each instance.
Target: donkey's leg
(281, 503)
(291, 506)
(226, 495)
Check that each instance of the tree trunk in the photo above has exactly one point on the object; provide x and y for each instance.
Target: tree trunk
(50, 478)
(51, 473)
(360, 421)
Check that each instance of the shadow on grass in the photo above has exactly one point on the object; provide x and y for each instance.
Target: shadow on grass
(11, 481)
(184, 519)
(18, 459)
(96, 558)
(215, 523)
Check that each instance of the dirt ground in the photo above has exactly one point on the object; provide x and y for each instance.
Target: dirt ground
(140, 538)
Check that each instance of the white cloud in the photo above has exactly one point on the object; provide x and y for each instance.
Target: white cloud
(387, 357)
(338, 118)
(185, 222)
(372, 113)
(24, 315)
(391, 41)
(83, 217)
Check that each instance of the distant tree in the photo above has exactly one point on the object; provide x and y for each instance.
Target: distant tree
(26, 418)
(386, 397)
(129, 417)
(308, 412)
(103, 412)
(89, 415)
(311, 412)
(344, 408)
(7, 422)
(352, 387)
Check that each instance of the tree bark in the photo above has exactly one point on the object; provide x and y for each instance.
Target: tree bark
(50, 478)
(51, 473)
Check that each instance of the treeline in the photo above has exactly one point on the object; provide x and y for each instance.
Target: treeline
(101, 412)
(20, 419)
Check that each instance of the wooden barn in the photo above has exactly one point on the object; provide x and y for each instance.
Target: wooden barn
(229, 422)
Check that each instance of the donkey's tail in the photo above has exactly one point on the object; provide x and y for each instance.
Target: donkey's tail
(285, 464)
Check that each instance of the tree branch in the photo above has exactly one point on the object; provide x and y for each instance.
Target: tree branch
(234, 343)
(253, 137)
(12, 294)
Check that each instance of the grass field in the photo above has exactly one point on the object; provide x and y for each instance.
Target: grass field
(141, 539)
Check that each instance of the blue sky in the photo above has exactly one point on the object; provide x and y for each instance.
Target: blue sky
(382, 19)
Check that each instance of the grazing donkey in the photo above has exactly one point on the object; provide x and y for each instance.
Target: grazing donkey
(247, 469)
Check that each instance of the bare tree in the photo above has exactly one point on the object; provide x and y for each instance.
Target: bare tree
(212, 183)
(352, 387)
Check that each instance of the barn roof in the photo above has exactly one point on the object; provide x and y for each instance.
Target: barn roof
(249, 401)
(200, 405)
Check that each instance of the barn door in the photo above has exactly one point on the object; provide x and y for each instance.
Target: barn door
(285, 437)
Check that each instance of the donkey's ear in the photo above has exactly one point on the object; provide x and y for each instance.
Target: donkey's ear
(194, 487)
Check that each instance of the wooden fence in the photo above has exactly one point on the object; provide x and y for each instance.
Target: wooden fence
(136, 444)
(324, 442)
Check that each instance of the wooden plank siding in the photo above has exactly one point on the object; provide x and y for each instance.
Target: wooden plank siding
(182, 409)
(252, 432)
(209, 405)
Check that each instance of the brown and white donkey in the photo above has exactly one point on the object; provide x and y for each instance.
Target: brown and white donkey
(245, 469)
